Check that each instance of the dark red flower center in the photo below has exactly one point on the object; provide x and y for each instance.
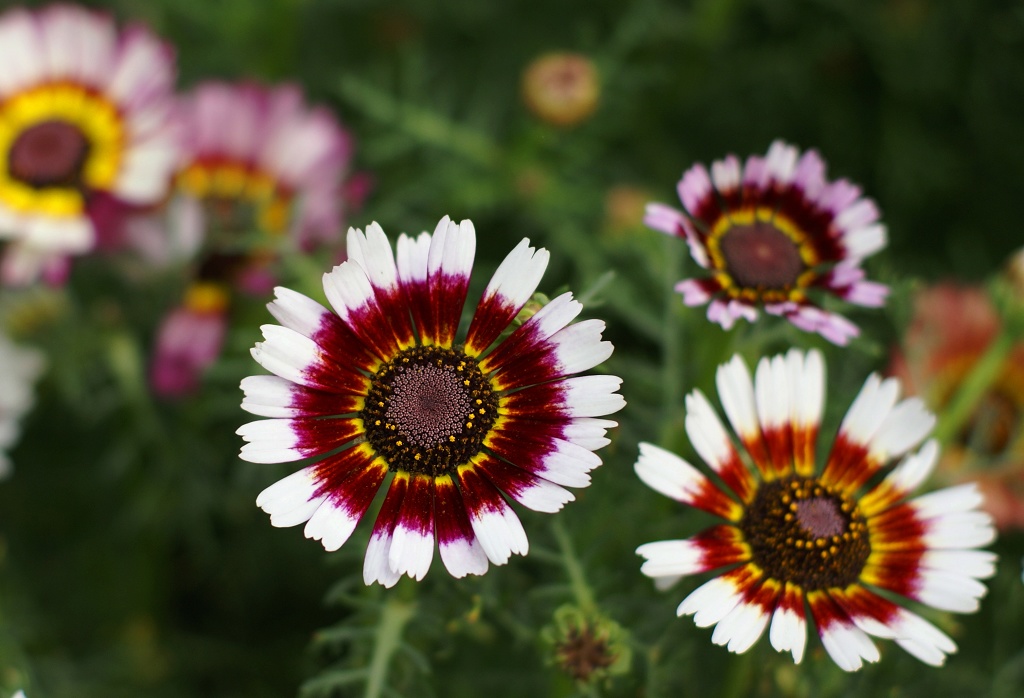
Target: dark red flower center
(49, 154)
(761, 256)
(428, 410)
(805, 532)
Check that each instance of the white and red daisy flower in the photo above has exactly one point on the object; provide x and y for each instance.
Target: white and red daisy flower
(262, 159)
(842, 540)
(379, 390)
(87, 127)
(772, 231)
(19, 369)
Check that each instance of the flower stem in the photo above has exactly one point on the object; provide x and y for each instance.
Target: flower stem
(393, 619)
(972, 389)
(672, 340)
(577, 580)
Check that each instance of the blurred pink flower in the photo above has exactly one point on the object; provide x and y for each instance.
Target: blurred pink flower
(260, 157)
(189, 341)
(951, 328)
(772, 232)
(87, 129)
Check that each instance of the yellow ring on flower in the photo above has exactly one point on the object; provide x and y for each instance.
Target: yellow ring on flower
(779, 221)
(101, 125)
(225, 179)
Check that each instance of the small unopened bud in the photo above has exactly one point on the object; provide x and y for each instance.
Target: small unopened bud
(561, 88)
(587, 646)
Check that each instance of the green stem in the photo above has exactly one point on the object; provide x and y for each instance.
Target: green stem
(577, 580)
(394, 617)
(972, 389)
(672, 339)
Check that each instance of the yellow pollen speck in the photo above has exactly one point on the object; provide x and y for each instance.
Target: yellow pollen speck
(418, 456)
(451, 438)
(377, 423)
(799, 544)
(820, 543)
(788, 517)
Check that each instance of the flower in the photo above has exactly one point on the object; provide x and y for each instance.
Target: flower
(842, 541)
(587, 645)
(951, 329)
(189, 341)
(258, 158)
(19, 369)
(379, 388)
(771, 231)
(87, 130)
(561, 88)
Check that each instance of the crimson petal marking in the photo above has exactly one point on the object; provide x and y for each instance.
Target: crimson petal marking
(715, 599)
(905, 426)
(882, 618)
(582, 396)
(667, 473)
(772, 392)
(286, 440)
(849, 456)
(586, 432)
(449, 264)
(297, 358)
(571, 350)
(532, 492)
(307, 317)
(788, 632)
(496, 526)
(461, 552)
(903, 480)
(352, 296)
(710, 549)
(345, 504)
(273, 396)
(334, 471)
(412, 546)
(736, 391)
(412, 276)
(712, 443)
(745, 623)
(553, 459)
(807, 378)
(373, 253)
(848, 645)
(514, 281)
(532, 333)
(376, 565)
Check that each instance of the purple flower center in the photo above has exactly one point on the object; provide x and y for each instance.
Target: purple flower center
(428, 410)
(49, 154)
(761, 256)
(820, 517)
(428, 404)
(803, 531)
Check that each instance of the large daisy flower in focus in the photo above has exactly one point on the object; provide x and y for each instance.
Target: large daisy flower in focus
(19, 369)
(772, 232)
(258, 158)
(86, 127)
(842, 540)
(379, 390)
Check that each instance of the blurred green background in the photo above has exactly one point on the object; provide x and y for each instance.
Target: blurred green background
(133, 560)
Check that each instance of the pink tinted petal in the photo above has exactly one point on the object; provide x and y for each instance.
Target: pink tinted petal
(187, 343)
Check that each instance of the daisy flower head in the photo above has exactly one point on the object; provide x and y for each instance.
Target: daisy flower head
(378, 390)
(87, 127)
(772, 231)
(259, 157)
(840, 541)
